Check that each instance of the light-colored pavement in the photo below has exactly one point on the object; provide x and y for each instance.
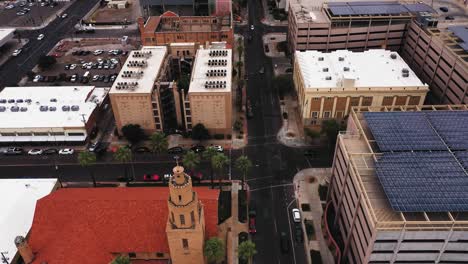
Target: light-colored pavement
(271, 41)
(268, 18)
(306, 183)
(291, 133)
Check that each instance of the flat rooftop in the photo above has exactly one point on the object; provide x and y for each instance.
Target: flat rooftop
(140, 70)
(48, 106)
(372, 68)
(400, 165)
(17, 203)
(454, 37)
(374, 8)
(6, 34)
(212, 71)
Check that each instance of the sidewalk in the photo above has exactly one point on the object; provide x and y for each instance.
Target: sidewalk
(268, 18)
(291, 133)
(306, 184)
(271, 40)
(231, 228)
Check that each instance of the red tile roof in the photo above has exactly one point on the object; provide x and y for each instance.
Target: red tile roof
(169, 14)
(85, 225)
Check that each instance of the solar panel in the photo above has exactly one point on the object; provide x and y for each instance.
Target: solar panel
(423, 181)
(403, 131)
(413, 8)
(376, 8)
(452, 126)
(462, 33)
(462, 156)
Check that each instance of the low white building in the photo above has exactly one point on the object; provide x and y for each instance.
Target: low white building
(49, 114)
(17, 205)
(6, 34)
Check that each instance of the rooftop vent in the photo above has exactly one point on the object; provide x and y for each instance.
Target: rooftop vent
(320, 58)
(14, 109)
(340, 58)
(325, 69)
(405, 75)
(393, 56)
(345, 68)
(328, 78)
(65, 108)
(53, 100)
(404, 70)
(75, 108)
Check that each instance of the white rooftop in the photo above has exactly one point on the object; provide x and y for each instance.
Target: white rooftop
(20, 107)
(17, 205)
(140, 70)
(372, 68)
(5, 35)
(216, 77)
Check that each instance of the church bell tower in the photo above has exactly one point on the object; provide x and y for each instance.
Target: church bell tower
(185, 227)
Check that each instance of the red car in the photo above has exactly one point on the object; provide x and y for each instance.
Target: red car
(151, 177)
(252, 229)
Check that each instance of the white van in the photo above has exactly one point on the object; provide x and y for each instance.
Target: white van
(86, 75)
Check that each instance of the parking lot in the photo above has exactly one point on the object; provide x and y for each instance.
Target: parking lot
(23, 14)
(87, 61)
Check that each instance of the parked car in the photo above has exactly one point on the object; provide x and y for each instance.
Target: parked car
(34, 152)
(37, 78)
(13, 151)
(64, 15)
(93, 146)
(296, 215)
(175, 150)
(217, 148)
(66, 151)
(95, 78)
(252, 228)
(284, 243)
(444, 9)
(449, 18)
(9, 7)
(40, 37)
(16, 52)
(72, 66)
(20, 13)
(252, 27)
(74, 77)
(50, 151)
(98, 52)
(151, 177)
(198, 149)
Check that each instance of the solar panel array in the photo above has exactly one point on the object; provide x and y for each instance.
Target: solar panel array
(402, 131)
(423, 167)
(375, 8)
(423, 181)
(462, 33)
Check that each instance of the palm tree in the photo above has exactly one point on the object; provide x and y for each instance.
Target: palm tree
(86, 159)
(240, 48)
(246, 250)
(208, 155)
(124, 155)
(191, 160)
(214, 250)
(159, 142)
(243, 164)
(218, 162)
(121, 259)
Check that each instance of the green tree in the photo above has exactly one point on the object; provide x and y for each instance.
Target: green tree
(191, 160)
(45, 61)
(208, 155)
(313, 134)
(218, 162)
(214, 250)
(246, 250)
(124, 155)
(243, 164)
(184, 82)
(330, 128)
(158, 142)
(283, 84)
(86, 159)
(120, 259)
(133, 133)
(199, 132)
(239, 65)
(240, 48)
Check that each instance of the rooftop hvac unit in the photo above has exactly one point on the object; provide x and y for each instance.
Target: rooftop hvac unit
(75, 108)
(2, 109)
(404, 70)
(345, 68)
(65, 108)
(24, 109)
(19, 100)
(43, 108)
(340, 58)
(54, 100)
(28, 101)
(3, 101)
(320, 58)
(10, 101)
(52, 108)
(405, 74)
(325, 69)
(393, 56)
(14, 109)
(328, 78)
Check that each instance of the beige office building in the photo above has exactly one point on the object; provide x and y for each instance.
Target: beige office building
(349, 25)
(439, 57)
(329, 84)
(209, 98)
(378, 212)
(135, 93)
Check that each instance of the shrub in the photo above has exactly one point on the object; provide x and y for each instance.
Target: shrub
(218, 136)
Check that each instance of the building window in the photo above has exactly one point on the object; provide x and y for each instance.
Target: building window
(313, 122)
(315, 114)
(159, 255)
(75, 134)
(188, 52)
(185, 243)
(172, 216)
(189, 119)
(180, 198)
(315, 98)
(192, 217)
(366, 101)
(182, 219)
(132, 255)
(326, 114)
(158, 126)
(189, 126)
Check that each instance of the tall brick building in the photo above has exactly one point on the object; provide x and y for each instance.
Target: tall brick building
(172, 28)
